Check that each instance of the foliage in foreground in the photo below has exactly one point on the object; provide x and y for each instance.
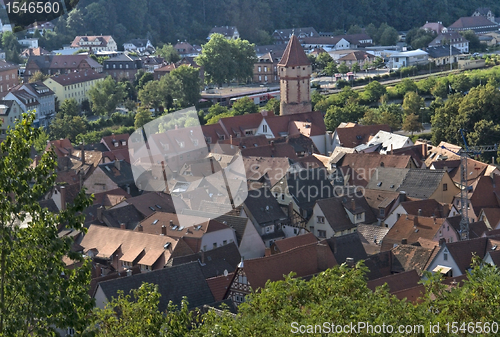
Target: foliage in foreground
(338, 295)
(37, 291)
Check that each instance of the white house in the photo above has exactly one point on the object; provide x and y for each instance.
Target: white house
(139, 45)
(390, 141)
(408, 58)
(29, 42)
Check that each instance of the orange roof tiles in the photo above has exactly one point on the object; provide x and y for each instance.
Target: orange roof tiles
(294, 55)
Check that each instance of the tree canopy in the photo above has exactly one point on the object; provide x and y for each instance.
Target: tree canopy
(37, 291)
(226, 60)
(106, 95)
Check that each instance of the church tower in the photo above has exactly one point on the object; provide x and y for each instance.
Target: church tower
(295, 73)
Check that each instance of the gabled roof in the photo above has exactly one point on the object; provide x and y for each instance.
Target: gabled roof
(492, 215)
(111, 141)
(304, 261)
(263, 207)
(387, 179)
(462, 251)
(346, 246)
(270, 150)
(284, 245)
(239, 124)
(261, 168)
(127, 215)
(76, 77)
(4, 65)
(485, 192)
(108, 240)
(286, 33)
(426, 207)
(357, 56)
(120, 176)
(335, 214)
(102, 39)
(410, 257)
(294, 55)
(309, 123)
(62, 61)
(371, 237)
(380, 199)
(411, 228)
(437, 27)
(213, 262)
(148, 202)
(471, 22)
(173, 284)
(358, 134)
(219, 285)
(390, 141)
(396, 282)
(422, 184)
(62, 147)
(451, 37)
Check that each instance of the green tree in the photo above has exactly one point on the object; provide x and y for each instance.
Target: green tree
(67, 126)
(69, 107)
(37, 76)
(244, 105)
(106, 95)
(412, 124)
(145, 78)
(419, 38)
(389, 37)
(129, 105)
(355, 68)
(244, 58)
(405, 86)
(355, 29)
(151, 95)
(142, 117)
(331, 68)
(168, 52)
(441, 89)
(343, 68)
(225, 60)
(412, 103)
(11, 47)
(391, 114)
(273, 105)
(37, 291)
(75, 22)
(371, 117)
(373, 91)
(190, 84)
(216, 110)
(323, 60)
(461, 83)
(130, 315)
(474, 44)
(215, 119)
(40, 141)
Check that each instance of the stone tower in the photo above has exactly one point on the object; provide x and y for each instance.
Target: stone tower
(295, 73)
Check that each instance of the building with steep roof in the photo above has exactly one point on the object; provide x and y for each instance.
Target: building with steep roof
(282, 36)
(478, 24)
(9, 112)
(436, 27)
(452, 38)
(96, 43)
(60, 64)
(252, 275)
(174, 283)
(73, 85)
(295, 72)
(8, 77)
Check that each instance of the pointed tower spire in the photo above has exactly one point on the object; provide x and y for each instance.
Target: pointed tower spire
(295, 74)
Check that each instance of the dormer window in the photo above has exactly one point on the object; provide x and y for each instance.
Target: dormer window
(115, 144)
(124, 142)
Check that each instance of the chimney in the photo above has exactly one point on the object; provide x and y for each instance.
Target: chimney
(231, 139)
(83, 153)
(117, 164)
(402, 196)
(63, 198)
(202, 257)
(415, 221)
(350, 262)
(171, 223)
(290, 209)
(99, 213)
(163, 230)
(404, 241)
(139, 228)
(419, 212)
(353, 204)
(129, 272)
(123, 226)
(424, 150)
(240, 265)
(391, 149)
(442, 241)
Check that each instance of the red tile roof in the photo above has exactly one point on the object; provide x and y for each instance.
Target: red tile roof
(312, 124)
(219, 285)
(294, 242)
(109, 141)
(294, 55)
(396, 282)
(411, 228)
(306, 260)
(62, 147)
(471, 22)
(358, 134)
